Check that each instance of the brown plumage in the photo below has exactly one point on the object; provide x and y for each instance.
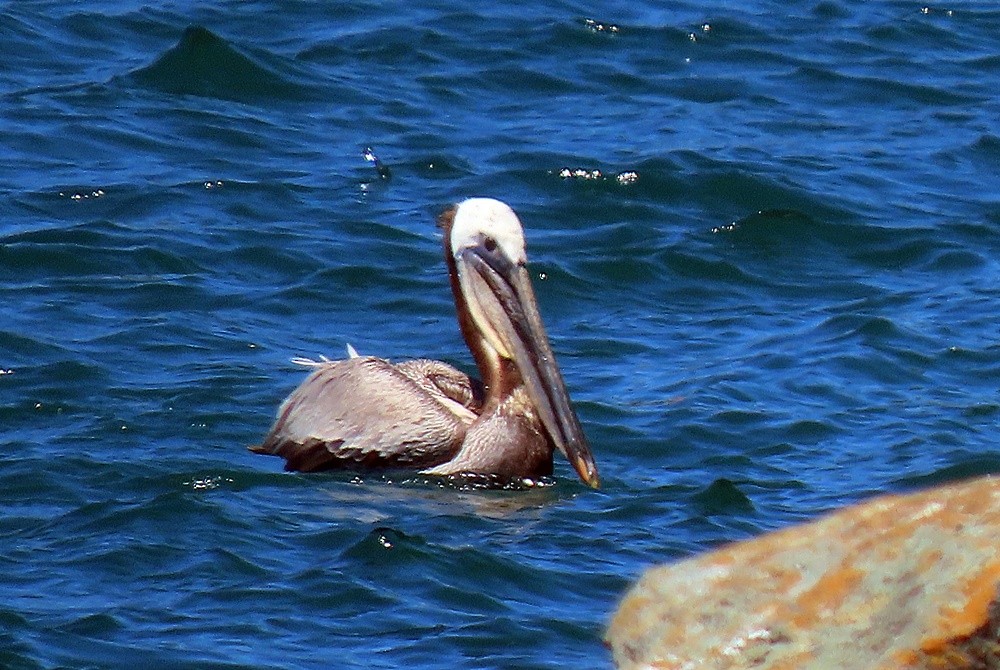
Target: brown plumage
(365, 413)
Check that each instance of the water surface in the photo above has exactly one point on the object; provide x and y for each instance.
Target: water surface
(765, 243)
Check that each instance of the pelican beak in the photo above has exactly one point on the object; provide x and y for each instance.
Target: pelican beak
(499, 294)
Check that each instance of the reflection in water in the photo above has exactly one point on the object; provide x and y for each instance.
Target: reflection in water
(376, 497)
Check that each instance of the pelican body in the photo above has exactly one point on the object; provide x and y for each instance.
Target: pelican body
(365, 413)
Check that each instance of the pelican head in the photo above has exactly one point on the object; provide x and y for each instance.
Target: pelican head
(501, 323)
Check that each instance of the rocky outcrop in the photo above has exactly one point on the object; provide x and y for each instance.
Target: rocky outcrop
(904, 581)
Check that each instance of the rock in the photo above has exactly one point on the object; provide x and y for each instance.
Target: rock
(902, 581)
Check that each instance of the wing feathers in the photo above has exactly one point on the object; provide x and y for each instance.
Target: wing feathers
(366, 413)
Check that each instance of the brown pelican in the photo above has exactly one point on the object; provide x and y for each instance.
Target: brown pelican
(366, 413)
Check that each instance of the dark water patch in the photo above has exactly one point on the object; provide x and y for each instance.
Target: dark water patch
(779, 231)
(744, 190)
(462, 599)
(330, 598)
(15, 652)
(934, 29)
(93, 626)
(878, 368)
(435, 166)
(388, 552)
(704, 269)
(121, 29)
(204, 64)
(860, 326)
(101, 204)
(739, 418)
(526, 81)
(981, 410)
(972, 364)
(226, 565)
(61, 649)
(824, 392)
(618, 272)
(47, 379)
(385, 544)
(90, 234)
(659, 180)
(24, 347)
(892, 93)
(582, 35)
(167, 294)
(830, 9)
(737, 28)
(768, 61)
(988, 64)
(771, 232)
(650, 35)
(136, 514)
(96, 250)
(409, 47)
(810, 431)
(33, 496)
(879, 332)
(711, 91)
(398, 241)
(722, 497)
(986, 150)
(616, 79)
(586, 346)
(955, 261)
(899, 250)
(969, 466)
(372, 279)
(41, 43)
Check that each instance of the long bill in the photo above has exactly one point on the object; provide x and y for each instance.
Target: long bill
(502, 301)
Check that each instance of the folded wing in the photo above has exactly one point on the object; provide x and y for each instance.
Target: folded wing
(367, 413)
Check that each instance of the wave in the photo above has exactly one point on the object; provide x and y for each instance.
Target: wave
(204, 64)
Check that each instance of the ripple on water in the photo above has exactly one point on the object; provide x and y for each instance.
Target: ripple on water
(204, 64)
(790, 306)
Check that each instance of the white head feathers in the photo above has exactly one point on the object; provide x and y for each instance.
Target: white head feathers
(479, 219)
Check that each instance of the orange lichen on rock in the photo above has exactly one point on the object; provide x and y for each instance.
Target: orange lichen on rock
(903, 581)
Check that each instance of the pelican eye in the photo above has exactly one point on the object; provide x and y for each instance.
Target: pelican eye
(490, 244)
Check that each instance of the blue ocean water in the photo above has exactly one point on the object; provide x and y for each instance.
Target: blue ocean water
(765, 238)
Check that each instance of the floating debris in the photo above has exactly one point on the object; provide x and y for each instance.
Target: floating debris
(83, 196)
(598, 27)
(213, 184)
(579, 173)
(380, 167)
(207, 483)
(8, 371)
(623, 178)
(705, 28)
